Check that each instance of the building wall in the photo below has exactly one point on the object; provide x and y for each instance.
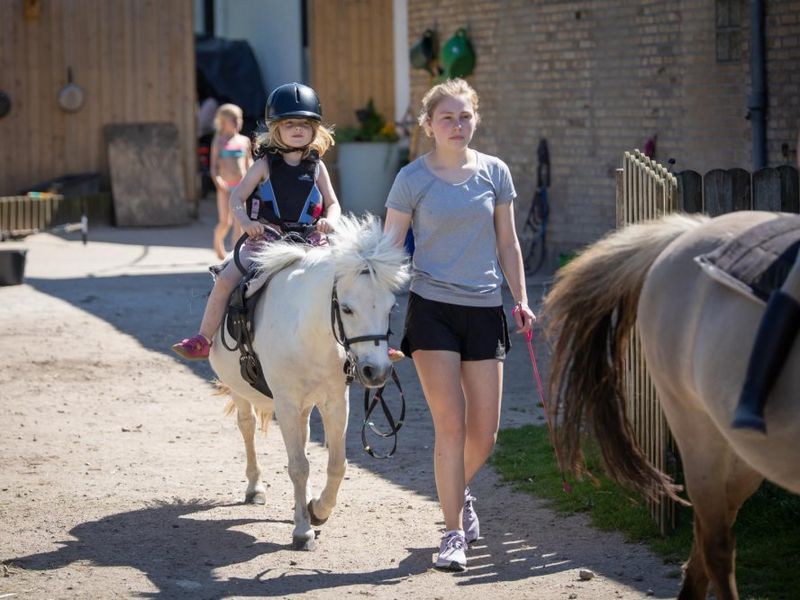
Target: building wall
(273, 28)
(783, 81)
(134, 61)
(352, 57)
(597, 78)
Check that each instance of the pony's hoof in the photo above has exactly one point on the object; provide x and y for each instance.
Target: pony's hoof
(315, 520)
(255, 497)
(301, 543)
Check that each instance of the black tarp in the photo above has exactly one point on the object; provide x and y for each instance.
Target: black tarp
(231, 71)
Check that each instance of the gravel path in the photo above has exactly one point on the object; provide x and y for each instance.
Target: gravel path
(121, 477)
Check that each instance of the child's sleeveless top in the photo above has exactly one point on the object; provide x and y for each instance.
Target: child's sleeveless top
(290, 195)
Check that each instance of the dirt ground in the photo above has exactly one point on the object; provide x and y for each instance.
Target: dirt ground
(120, 476)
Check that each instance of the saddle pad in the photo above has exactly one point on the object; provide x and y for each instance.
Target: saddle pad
(253, 282)
(256, 282)
(757, 261)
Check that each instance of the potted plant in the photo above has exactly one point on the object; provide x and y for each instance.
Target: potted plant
(368, 159)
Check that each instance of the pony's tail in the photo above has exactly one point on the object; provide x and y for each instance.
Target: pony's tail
(591, 311)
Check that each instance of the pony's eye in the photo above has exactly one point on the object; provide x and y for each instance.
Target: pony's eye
(347, 310)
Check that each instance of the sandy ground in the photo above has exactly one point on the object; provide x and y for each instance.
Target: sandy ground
(120, 476)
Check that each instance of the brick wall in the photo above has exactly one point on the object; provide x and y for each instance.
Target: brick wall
(597, 78)
(783, 80)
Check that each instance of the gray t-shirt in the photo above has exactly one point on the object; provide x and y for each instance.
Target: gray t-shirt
(455, 256)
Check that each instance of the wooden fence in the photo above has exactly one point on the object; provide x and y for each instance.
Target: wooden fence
(21, 215)
(646, 190)
(134, 61)
(722, 191)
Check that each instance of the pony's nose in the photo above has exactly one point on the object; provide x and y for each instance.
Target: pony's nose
(372, 375)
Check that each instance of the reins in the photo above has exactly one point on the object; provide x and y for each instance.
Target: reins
(251, 369)
(350, 374)
(537, 379)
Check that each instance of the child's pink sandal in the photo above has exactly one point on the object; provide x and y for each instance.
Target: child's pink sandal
(193, 348)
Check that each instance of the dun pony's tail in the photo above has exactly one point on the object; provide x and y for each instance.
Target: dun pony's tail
(591, 311)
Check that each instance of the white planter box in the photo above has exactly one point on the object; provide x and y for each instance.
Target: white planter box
(366, 173)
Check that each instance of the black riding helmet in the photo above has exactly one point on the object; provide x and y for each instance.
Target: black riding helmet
(293, 100)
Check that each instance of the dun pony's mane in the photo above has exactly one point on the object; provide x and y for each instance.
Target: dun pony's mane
(357, 245)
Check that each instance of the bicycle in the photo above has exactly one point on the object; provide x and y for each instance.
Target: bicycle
(533, 236)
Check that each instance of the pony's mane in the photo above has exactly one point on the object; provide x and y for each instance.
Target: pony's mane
(357, 245)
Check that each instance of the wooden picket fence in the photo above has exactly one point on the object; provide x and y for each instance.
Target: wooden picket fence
(22, 215)
(646, 190)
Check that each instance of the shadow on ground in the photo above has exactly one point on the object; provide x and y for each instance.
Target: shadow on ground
(158, 310)
(182, 562)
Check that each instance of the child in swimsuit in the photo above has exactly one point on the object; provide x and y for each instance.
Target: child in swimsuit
(230, 159)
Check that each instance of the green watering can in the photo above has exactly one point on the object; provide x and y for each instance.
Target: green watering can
(458, 57)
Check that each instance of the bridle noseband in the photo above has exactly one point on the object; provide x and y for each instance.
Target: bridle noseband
(339, 335)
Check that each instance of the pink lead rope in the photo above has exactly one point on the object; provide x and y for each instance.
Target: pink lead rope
(540, 387)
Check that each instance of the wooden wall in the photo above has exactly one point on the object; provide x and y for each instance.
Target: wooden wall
(134, 60)
(352, 57)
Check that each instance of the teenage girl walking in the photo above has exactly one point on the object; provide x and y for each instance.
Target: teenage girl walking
(459, 203)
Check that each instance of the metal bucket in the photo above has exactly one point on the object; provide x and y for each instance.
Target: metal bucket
(12, 266)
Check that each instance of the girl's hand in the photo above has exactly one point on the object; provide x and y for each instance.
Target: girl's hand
(252, 228)
(221, 184)
(324, 225)
(523, 317)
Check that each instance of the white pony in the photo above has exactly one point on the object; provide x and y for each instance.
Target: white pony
(303, 357)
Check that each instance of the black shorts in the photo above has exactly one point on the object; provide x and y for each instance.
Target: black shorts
(474, 332)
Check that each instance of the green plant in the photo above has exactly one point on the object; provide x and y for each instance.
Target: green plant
(372, 127)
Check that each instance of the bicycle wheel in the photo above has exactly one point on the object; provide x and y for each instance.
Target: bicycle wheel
(537, 252)
(533, 238)
(528, 237)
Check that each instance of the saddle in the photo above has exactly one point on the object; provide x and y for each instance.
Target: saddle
(756, 262)
(239, 324)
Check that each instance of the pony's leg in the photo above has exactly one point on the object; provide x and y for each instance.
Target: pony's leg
(334, 420)
(294, 427)
(246, 419)
(718, 483)
(695, 577)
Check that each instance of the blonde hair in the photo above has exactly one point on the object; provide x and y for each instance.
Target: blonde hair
(449, 89)
(232, 111)
(271, 138)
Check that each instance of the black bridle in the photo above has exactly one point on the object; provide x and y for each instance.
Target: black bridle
(251, 368)
(344, 341)
(351, 373)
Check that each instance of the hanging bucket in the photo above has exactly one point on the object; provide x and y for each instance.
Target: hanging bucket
(458, 57)
(422, 55)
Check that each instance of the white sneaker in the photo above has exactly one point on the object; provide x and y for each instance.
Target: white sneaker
(469, 519)
(451, 552)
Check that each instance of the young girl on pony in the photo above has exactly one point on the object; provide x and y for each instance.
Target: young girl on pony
(230, 159)
(295, 194)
